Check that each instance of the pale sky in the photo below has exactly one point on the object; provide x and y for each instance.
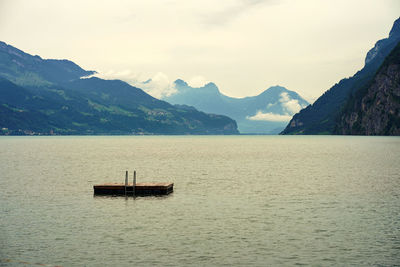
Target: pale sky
(244, 46)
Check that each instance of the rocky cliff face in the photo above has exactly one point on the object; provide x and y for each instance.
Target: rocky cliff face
(321, 117)
(375, 109)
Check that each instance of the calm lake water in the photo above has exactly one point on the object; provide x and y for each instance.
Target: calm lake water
(238, 200)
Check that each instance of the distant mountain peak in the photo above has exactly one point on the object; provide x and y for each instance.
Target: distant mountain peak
(180, 82)
(276, 88)
(274, 102)
(210, 84)
(211, 87)
(274, 91)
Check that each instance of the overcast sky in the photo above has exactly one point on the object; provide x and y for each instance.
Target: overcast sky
(244, 46)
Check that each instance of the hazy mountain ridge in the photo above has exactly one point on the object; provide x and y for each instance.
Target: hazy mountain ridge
(40, 96)
(375, 109)
(321, 117)
(267, 112)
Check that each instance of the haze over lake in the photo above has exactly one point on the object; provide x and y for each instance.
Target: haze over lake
(238, 200)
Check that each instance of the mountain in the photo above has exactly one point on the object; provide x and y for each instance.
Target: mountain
(46, 96)
(27, 70)
(375, 108)
(265, 113)
(321, 117)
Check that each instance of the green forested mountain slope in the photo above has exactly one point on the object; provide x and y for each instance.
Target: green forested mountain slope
(40, 96)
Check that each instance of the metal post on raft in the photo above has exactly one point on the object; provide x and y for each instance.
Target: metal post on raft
(126, 180)
(134, 183)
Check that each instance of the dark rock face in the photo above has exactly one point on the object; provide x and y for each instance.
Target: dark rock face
(321, 117)
(375, 109)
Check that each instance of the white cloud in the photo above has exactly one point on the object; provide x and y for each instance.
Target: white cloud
(125, 75)
(159, 86)
(269, 117)
(197, 81)
(291, 106)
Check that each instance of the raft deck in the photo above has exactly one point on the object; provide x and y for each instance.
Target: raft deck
(140, 189)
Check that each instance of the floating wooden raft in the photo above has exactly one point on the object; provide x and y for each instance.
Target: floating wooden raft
(133, 189)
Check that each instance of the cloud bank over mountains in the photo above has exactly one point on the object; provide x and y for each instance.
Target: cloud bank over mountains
(160, 85)
(289, 105)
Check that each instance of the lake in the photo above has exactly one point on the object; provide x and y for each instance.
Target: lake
(237, 201)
